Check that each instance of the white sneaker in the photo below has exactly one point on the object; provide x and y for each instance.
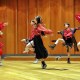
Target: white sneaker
(58, 57)
(36, 61)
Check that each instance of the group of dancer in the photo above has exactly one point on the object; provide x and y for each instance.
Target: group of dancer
(35, 40)
(35, 43)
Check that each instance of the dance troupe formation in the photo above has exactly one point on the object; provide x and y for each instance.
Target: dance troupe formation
(35, 43)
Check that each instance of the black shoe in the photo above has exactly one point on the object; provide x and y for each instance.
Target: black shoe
(58, 57)
(68, 61)
(52, 46)
(77, 49)
(43, 65)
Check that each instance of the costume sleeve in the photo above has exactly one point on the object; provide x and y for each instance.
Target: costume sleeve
(1, 26)
(77, 28)
(42, 29)
(74, 29)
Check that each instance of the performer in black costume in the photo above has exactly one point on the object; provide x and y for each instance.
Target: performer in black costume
(35, 38)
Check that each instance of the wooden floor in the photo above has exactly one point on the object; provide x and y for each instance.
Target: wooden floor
(26, 70)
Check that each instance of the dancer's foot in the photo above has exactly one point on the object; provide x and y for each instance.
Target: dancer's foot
(25, 51)
(68, 61)
(43, 65)
(36, 61)
(23, 40)
(52, 46)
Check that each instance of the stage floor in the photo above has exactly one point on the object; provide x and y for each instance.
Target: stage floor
(26, 70)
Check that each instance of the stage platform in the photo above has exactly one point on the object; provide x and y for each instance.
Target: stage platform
(26, 70)
(51, 57)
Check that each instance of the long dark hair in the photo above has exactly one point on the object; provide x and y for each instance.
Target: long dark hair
(38, 19)
(67, 24)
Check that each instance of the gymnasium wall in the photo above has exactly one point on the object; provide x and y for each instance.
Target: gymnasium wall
(19, 13)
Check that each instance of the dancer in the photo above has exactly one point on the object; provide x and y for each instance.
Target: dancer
(2, 25)
(31, 48)
(1, 45)
(68, 39)
(35, 39)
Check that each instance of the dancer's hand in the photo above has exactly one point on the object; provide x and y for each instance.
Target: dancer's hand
(1, 33)
(5, 24)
